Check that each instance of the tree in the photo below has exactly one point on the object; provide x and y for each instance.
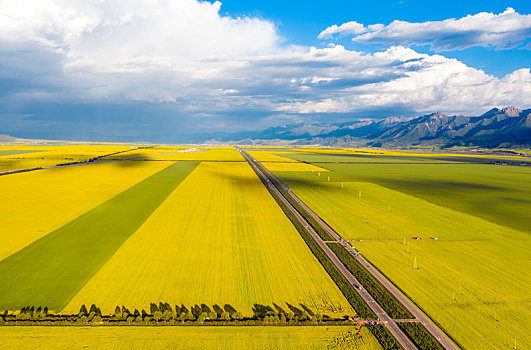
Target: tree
(217, 309)
(118, 312)
(94, 309)
(125, 311)
(184, 309)
(205, 309)
(153, 308)
(157, 316)
(202, 317)
(225, 316)
(196, 311)
(231, 310)
(167, 315)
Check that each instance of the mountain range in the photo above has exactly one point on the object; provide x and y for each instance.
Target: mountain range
(506, 127)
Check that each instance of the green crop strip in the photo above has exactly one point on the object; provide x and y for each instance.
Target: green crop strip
(50, 271)
(10, 152)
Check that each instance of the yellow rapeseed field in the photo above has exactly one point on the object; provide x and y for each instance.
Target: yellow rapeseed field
(205, 154)
(266, 156)
(53, 155)
(189, 337)
(219, 238)
(297, 166)
(36, 203)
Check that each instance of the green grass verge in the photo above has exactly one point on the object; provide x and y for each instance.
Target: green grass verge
(383, 297)
(51, 270)
(420, 336)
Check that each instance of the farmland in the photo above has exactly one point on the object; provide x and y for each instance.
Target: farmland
(42, 201)
(25, 157)
(75, 251)
(178, 337)
(218, 238)
(195, 225)
(468, 278)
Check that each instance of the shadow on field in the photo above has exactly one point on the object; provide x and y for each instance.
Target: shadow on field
(128, 160)
(435, 186)
(246, 181)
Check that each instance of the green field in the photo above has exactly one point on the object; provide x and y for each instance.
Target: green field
(471, 278)
(501, 194)
(219, 238)
(10, 152)
(51, 270)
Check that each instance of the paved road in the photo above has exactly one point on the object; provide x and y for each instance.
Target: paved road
(419, 315)
(380, 313)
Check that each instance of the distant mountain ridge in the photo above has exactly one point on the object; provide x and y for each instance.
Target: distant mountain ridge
(506, 127)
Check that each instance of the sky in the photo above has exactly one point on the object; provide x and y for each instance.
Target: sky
(164, 71)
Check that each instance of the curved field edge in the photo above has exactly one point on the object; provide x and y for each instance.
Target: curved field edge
(51, 270)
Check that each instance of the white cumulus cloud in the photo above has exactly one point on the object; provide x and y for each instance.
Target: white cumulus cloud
(186, 54)
(506, 30)
(351, 27)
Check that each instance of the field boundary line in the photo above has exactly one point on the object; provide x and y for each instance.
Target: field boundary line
(389, 323)
(419, 314)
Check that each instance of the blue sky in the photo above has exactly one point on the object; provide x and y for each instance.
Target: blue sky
(161, 71)
(301, 21)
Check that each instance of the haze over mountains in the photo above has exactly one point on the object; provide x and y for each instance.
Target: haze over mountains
(506, 127)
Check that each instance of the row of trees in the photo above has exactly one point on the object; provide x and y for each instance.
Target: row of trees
(164, 313)
(384, 337)
(383, 297)
(362, 309)
(381, 333)
(325, 236)
(420, 336)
